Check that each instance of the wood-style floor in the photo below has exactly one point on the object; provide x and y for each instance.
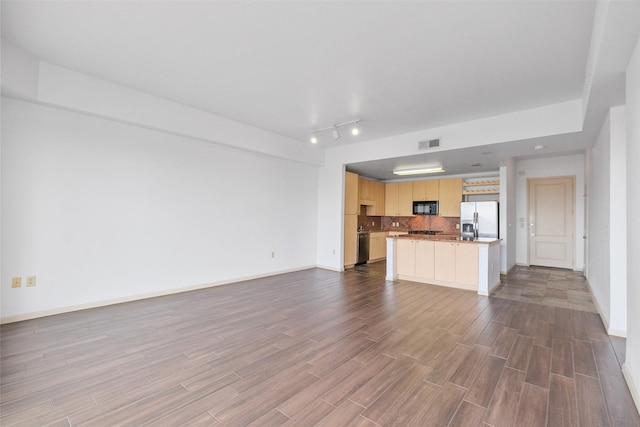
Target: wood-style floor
(315, 348)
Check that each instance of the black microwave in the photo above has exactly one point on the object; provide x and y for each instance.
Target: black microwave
(425, 208)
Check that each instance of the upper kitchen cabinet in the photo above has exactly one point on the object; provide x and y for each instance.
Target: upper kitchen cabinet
(372, 195)
(426, 190)
(450, 197)
(399, 199)
(351, 193)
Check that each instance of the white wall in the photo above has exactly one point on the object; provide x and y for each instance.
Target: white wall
(100, 210)
(618, 221)
(631, 367)
(508, 223)
(598, 232)
(572, 165)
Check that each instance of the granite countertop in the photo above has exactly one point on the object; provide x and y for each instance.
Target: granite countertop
(446, 238)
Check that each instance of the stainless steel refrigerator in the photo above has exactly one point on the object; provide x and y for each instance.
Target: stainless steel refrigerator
(483, 217)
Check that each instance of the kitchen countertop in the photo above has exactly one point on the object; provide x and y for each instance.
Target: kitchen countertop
(446, 238)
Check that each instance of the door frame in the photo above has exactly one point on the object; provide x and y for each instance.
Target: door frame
(573, 216)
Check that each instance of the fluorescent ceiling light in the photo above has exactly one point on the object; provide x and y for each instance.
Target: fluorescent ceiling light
(419, 171)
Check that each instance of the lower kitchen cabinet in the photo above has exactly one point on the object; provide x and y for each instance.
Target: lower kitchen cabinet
(448, 263)
(445, 261)
(417, 258)
(377, 246)
(467, 264)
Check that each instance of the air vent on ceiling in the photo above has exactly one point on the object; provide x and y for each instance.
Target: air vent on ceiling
(432, 143)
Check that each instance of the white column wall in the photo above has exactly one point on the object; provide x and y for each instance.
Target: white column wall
(618, 221)
(631, 367)
(598, 230)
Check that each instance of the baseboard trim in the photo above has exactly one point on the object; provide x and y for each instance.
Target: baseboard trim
(614, 332)
(103, 303)
(635, 394)
(326, 267)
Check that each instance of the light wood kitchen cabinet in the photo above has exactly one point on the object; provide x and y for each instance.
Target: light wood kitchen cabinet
(350, 193)
(426, 190)
(379, 198)
(377, 246)
(425, 259)
(365, 191)
(467, 264)
(456, 263)
(406, 264)
(399, 199)
(371, 195)
(450, 197)
(417, 258)
(445, 260)
(350, 239)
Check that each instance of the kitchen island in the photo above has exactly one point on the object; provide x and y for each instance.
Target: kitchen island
(445, 261)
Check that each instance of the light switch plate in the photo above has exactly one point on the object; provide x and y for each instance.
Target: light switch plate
(31, 281)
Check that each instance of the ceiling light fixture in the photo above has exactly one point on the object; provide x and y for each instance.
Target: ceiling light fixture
(419, 171)
(355, 130)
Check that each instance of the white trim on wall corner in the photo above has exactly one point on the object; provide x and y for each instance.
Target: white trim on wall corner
(605, 321)
(635, 393)
(69, 309)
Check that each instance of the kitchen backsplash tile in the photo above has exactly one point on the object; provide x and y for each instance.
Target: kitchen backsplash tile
(445, 225)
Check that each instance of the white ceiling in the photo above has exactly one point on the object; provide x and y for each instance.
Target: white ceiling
(291, 67)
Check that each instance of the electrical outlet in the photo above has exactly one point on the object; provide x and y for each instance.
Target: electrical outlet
(273, 254)
(31, 281)
(457, 226)
(16, 282)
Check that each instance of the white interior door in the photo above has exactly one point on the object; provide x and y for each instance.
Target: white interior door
(551, 222)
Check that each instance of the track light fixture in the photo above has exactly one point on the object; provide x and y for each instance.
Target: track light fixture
(334, 130)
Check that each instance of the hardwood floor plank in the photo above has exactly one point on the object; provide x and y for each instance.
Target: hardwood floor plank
(520, 353)
(606, 359)
(503, 407)
(544, 334)
(592, 410)
(346, 413)
(504, 342)
(442, 408)
(416, 406)
(443, 369)
(490, 333)
(300, 401)
(468, 370)
(481, 390)
(373, 389)
(468, 415)
(562, 358)
(539, 366)
(533, 406)
(562, 402)
(583, 359)
(355, 381)
(620, 405)
(384, 408)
